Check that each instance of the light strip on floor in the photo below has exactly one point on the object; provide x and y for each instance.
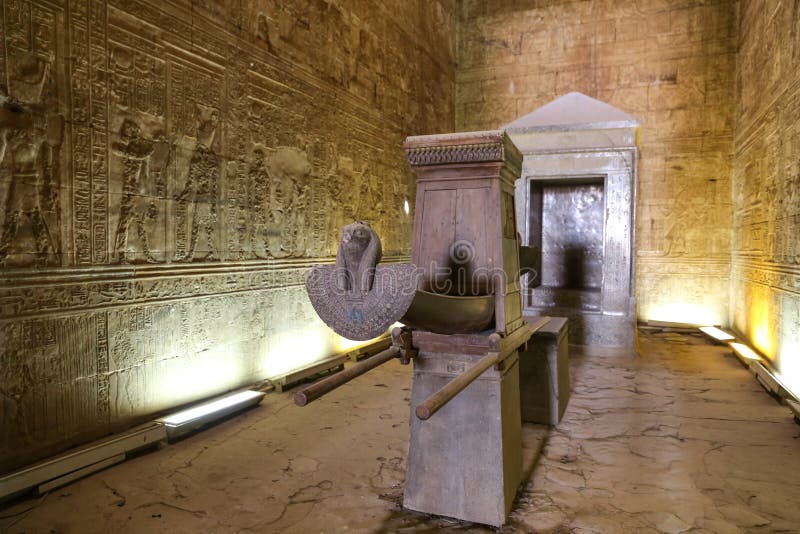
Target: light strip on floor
(716, 333)
(745, 353)
(81, 460)
(191, 419)
(769, 381)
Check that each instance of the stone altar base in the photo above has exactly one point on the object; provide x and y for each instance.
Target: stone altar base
(544, 373)
(466, 460)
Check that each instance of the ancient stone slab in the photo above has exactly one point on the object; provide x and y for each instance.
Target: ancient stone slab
(544, 386)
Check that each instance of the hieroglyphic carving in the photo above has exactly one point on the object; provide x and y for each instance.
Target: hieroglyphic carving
(101, 340)
(140, 152)
(3, 76)
(137, 75)
(98, 79)
(25, 297)
(81, 132)
(322, 207)
(137, 208)
(157, 123)
(259, 182)
(240, 190)
(289, 172)
(197, 201)
(195, 100)
(765, 277)
(31, 134)
(40, 397)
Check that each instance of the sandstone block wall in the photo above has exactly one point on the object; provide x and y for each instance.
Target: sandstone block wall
(765, 288)
(169, 169)
(670, 64)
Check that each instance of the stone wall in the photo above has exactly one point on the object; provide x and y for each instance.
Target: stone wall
(765, 286)
(168, 172)
(670, 64)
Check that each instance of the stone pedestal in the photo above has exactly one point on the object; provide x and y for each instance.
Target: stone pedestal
(466, 460)
(544, 373)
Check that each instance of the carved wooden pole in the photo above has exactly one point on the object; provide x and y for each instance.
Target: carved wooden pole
(326, 385)
(432, 404)
(503, 347)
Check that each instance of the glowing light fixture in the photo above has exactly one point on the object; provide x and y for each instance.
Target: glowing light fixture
(716, 333)
(689, 313)
(191, 419)
(744, 352)
(406, 207)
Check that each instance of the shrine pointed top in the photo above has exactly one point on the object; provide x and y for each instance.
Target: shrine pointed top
(572, 111)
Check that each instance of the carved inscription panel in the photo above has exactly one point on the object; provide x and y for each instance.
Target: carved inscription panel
(170, 170)
(765, 276)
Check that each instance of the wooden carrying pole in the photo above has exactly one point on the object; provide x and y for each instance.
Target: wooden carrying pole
(503, 348)
(432, 404)
(326, 385)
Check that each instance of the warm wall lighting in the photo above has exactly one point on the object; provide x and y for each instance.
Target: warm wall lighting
(349, 344)
(191, 419)
(761, 322)
(198, 375)
(788, 361)
(716, 333)
(684, 313)
(297, 349)
(744, 351)
(406, 207)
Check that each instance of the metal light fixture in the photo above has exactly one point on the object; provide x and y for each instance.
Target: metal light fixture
(79, 462)
(716, 333)
(191, 419)
(745, 353)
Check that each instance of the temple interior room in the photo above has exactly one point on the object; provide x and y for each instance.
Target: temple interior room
(399, 266)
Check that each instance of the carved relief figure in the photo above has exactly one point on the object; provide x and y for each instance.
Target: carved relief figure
(198, 200)
(290, 175)
(137, 205)
(335, 210)
(359, 253)
(348, 203)
(29, 143)
(16, 382)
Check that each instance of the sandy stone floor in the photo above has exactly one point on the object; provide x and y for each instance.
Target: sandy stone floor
(678, 439)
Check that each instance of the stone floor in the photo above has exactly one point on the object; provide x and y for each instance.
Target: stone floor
(678, 439)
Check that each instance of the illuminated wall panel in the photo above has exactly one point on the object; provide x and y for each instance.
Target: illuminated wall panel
(765, 290)
(169, 170)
